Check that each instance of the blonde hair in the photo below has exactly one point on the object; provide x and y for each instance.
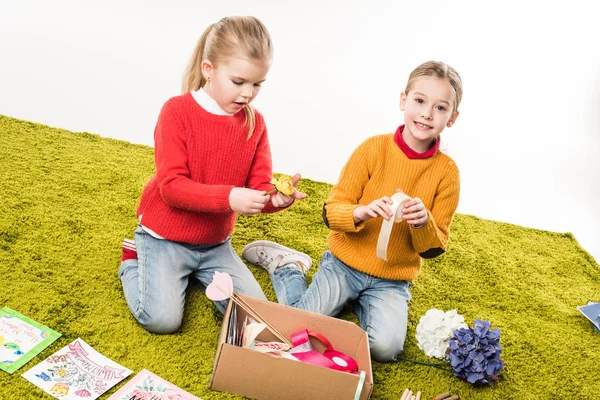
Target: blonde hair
(227, 38)
(441, 70)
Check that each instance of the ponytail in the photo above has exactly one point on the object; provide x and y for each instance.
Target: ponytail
(193, 78)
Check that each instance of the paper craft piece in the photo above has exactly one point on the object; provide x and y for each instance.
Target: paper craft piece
(221, 288)
(592, 312)
(148, 386)
(21, 339)
(386, 226)
(76, 371)
(250, 332)
(361, 383)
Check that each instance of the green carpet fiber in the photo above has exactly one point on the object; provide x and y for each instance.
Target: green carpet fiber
(68, 199)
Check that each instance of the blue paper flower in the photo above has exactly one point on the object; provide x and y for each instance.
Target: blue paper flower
(475, 353)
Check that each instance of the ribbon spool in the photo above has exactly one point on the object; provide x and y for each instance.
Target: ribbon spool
(330, 358)
(387, 225)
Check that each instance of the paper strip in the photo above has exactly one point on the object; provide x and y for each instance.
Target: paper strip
(387, 225)
(361, 382)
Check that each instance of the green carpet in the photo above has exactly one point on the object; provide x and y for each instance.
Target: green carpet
(68, 199)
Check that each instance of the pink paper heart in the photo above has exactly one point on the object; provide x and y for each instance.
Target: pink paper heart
(221, 287)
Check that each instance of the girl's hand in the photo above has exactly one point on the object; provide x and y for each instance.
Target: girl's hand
(281, 200)
(377, 208)
(247, 201)
(415, 213)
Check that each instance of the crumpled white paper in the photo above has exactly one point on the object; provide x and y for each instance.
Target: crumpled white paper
(435, 329)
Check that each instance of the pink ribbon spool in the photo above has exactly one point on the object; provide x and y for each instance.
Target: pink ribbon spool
(330, 358)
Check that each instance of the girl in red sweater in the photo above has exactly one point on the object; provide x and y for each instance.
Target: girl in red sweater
(213, 161)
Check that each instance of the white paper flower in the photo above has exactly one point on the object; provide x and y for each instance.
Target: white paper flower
(435, 329)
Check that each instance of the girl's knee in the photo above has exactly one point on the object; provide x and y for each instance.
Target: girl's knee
(162, 324)
(384, 353)
(386, 348)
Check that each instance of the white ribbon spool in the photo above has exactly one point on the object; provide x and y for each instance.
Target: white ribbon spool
(387, 225)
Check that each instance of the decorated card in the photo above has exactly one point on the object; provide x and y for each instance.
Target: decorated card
(148, 386)
(592, 312)
(21, 339)
(76, 371)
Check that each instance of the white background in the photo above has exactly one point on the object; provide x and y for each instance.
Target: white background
(527, 140)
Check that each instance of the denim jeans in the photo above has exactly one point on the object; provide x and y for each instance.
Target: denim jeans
(155, 283)
(380, 304)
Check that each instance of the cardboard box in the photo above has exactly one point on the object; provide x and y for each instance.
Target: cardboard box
(261, 376)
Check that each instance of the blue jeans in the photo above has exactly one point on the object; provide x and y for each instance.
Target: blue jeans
(155, 283)
(380, 304)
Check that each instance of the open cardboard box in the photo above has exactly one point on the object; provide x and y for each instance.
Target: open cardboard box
(261, 376)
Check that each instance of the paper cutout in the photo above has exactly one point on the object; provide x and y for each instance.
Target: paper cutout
(21, 339)
(222, 285)
(76, 371)
(387, 225)
(592, 312)
(147, 386)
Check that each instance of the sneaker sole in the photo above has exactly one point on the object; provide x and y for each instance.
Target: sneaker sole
(277, 246)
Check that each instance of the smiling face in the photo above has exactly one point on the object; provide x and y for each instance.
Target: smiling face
(428, 109)
(235, 81)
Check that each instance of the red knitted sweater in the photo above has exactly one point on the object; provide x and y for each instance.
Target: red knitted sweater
(199, 158)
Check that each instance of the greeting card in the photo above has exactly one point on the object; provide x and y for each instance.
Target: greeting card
(146, 385)
(21, 339)
(76, 371)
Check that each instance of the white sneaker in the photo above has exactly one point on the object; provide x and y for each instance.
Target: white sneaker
(270, 256)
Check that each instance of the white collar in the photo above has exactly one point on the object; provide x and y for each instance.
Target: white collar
(208, 103)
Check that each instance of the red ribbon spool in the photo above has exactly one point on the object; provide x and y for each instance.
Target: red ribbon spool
(330, 358)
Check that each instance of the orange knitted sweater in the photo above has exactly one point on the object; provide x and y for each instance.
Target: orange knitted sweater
(376, 169)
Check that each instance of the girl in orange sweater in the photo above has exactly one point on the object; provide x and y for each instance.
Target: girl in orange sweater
(409, 161)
